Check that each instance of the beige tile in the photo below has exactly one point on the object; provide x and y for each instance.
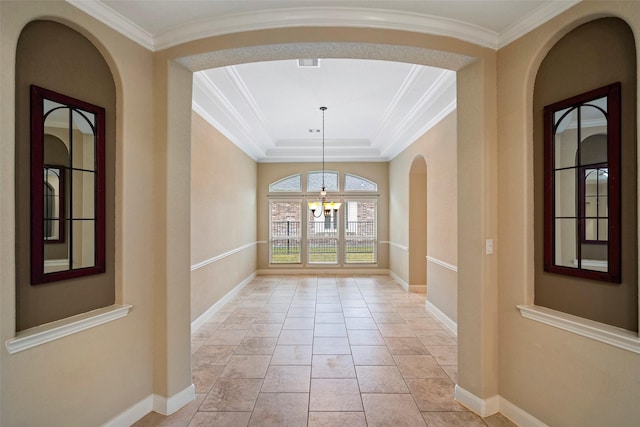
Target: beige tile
(405, 346)
(264, 330)
(287, 379)
(452, 372)
(395, 330)
(453, 419)
(444, 354)
(435, 337)
(298, 323)
(270, 318)
(209, 355)
(419, 366)
(179, 418)
(275, 308)
(386, 317)
(257, 345)
(246, 366)
(324, 345)
(220, 419)
(335, 395)
(381, 308)
(280, 299)
(434, 394)
(329, 318)
(232, 337)
(301, 312)
(328, 299)
(380, 379)
(196, 344)
(499, 420)
(360, 323)
(397, 410)
(232, 394)
(243, 312)
(356, 312)
(304, 302)
(332, 366)
(422, 323)
(330, 330)
(365, 337)
(292, 355)
(332, 419)
(328, 308)
(204, 377)
(371, 355)
(296, 337)
(280, 409)
(206, 330)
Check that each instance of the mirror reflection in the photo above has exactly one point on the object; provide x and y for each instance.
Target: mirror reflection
(66, 132)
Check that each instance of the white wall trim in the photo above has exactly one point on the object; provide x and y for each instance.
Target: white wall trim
(202, 319)
(222, 256)
(442, 263)
(42, 334)
(482, 407)
(493, 404)
(449, 323)
(602, 332)
(169, 405)
(153, 402)
(398, 279)
(395, 245)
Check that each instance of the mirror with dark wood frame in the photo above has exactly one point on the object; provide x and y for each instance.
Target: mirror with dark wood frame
(67, 187)
(582, 185)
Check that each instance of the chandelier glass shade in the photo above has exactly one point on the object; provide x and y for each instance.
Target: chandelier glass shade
(322, 205)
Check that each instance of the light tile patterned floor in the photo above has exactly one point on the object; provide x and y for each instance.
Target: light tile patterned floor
(324, 351)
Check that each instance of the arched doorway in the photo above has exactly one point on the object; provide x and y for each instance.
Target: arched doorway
(418, 225)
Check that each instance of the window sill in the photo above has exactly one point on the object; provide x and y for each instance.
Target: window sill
(39, 335)
(608, 334)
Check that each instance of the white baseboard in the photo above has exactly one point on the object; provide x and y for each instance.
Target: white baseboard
(486, 407)
(153, 402)
(482, 407)
(442, 318)
(332, 271)
(169, 405)
(221, 302)
(397, 278)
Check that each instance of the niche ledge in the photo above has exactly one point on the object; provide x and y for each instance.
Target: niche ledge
(48, 332)
(602, 332)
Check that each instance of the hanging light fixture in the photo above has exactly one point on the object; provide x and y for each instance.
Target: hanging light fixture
(328, 207)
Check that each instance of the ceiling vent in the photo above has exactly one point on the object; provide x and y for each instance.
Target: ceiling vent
(309, 63)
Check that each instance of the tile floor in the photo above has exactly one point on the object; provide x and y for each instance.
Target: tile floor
(323, 351)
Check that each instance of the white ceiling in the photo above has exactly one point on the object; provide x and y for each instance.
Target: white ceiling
(375, 108)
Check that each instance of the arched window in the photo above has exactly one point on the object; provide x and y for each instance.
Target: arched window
(358, 183)
(314, 181)
(290, 184)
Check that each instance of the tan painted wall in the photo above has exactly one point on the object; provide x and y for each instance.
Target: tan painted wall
(438, 147)
(271, 172)
(559, 377)
(111, 364)
(223, 215)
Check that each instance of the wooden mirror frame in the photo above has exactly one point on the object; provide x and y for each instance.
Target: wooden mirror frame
(38, 275)
(613, 273)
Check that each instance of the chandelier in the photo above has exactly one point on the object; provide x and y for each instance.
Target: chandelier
(328, 207)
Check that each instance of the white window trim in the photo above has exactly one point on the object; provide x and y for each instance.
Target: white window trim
(617, 337)
(43, 334)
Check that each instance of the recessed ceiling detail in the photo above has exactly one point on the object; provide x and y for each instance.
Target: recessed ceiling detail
(375, 108)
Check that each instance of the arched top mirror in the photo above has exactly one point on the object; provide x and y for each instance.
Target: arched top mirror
(67, 187)
(582, 185)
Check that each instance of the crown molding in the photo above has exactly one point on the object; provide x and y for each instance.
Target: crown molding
(116, 21)
(544, 13)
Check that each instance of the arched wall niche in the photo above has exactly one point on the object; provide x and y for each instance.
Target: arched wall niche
(418, 224)
(606, 47)
(54, 56)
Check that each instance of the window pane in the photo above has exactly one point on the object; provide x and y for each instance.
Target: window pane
(360, 232)
(565, 138)
(565, 243)
(356, 183)
(314, 181)
(285, 231)
(292, 184)
(566, 193)
(322, 238)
